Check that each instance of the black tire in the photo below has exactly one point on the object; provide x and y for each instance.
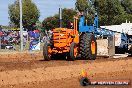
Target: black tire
(85, 81)
(67, 56)
(130, 51)
(122, 50)
(85, 46)
(45, 52)
(72, 56)
(119, 50)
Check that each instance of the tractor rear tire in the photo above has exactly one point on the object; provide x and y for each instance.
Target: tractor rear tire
(73, 51)
(46, 54)
(86, 49)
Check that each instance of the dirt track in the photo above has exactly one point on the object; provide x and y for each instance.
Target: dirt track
(61, 73)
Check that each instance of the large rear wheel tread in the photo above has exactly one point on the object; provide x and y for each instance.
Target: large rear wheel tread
(85, 46)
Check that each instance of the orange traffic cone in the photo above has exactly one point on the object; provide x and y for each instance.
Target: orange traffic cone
(84, 74)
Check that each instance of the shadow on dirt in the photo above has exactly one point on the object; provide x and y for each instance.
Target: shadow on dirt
(56, 57)
(59, 57)
(62, 57)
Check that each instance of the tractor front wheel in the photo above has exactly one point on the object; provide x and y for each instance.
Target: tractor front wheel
(73, 51)
(47, 52)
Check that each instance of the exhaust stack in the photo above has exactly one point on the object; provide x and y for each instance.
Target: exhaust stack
(60, 18)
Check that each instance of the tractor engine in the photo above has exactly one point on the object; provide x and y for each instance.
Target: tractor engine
(62, 38)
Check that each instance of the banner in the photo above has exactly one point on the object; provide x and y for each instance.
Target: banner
(34, 45)
(35, 42)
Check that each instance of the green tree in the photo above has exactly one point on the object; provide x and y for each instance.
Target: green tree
(38, 25)
(110, 11)
(67, 17)
(30, 13)
(82, 5)
(88, 7)
(50, 22)
(127, 4)
(53, 22)
(0, 27)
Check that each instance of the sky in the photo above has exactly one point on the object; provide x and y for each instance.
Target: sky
(47, 8)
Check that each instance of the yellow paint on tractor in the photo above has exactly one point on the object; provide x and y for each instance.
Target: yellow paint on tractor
(93, 47)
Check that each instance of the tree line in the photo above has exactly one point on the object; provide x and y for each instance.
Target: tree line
(111, 12)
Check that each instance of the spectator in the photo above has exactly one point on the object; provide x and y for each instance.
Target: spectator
(46, 39)
(50, 34)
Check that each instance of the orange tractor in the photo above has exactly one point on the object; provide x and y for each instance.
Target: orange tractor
(64, 41)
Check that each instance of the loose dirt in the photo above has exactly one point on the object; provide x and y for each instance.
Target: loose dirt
(36, 73)
(12, 56)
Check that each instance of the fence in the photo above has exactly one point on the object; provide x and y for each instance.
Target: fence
(10, 41)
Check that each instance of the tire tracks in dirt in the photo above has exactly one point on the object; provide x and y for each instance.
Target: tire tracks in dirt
(14, 77)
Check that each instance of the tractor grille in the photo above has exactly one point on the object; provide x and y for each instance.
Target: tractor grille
(60, 38)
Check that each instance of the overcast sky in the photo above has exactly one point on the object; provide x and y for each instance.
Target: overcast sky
(46, 7)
